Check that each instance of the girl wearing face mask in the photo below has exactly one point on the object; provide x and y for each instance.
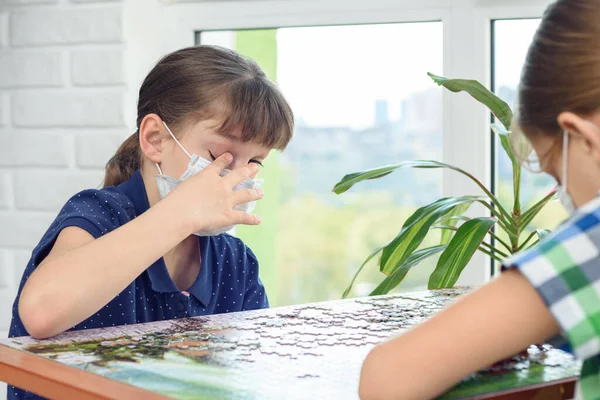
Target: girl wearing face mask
(150, 245)
(553, 290)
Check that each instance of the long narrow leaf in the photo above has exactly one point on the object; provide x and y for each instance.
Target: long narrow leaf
(530, 214)
(503, 134)
(369, 258)
(458, 218)
(414, 231)
(525, 242)
(352, 179)
(463, 245)
(483, 245)
(505, 223)
(400, 272)
(448, 220)
(490, 254)
(444, 228)
(493, 249)
(502, 242)
(480, 93)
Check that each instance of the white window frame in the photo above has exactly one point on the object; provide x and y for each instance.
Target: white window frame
(154, 28)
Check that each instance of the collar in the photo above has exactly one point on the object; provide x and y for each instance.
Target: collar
(160, 279)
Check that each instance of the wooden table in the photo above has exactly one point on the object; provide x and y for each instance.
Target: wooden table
(311, 351)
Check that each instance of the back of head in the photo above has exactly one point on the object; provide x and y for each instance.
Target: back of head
(562, 69)
(205, 82)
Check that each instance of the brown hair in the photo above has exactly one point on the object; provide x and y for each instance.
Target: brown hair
(203, 82)
(562, 68)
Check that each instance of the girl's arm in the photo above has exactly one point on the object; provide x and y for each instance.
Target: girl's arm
(81, 275)
(494, 322)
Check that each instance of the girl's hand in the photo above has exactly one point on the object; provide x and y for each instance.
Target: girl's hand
(205, 201)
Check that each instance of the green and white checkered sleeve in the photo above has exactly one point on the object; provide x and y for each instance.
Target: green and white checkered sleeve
(565, 270)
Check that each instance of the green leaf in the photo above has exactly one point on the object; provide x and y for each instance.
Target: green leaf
(450, 220)
(480, 93)
(458, 218)
(400, 272)
(503, 134)
(530, 214)
(461, 248)
(352, 179)
(415, 229)
(525, 242)
(521, 146)
(369, 258)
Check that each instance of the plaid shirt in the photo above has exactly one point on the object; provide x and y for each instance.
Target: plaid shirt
(565, 270)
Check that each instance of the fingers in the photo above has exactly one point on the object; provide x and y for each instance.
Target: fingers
(246, 195)
(238, 175)
(243, 218)
(221, 163)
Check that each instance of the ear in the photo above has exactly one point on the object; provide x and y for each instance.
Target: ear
(151, 137)
(583, 129)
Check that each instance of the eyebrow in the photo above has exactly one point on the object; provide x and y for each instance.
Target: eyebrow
(260, 156)
(227, 136)
(233, 138)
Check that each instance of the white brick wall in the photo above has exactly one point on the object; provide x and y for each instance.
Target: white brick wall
(54, 25)
(67, 108)
(3, 28)
(92, 1)
(48, 191)
(61, 117)
(20, 148)
(94, 150)
(23, 68)
(6, 263)
(4, 100)
(97, 67)
(31, 1)
(6, 193)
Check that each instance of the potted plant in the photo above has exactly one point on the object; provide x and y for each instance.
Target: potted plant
(461, 236)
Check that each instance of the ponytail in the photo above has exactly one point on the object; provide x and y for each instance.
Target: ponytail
(124, 163)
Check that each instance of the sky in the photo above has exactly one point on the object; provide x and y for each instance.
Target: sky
(512, 39)
(333, 75)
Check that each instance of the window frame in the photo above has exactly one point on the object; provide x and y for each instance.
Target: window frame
(467, 41)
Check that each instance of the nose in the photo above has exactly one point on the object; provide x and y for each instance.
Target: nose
(237, 163)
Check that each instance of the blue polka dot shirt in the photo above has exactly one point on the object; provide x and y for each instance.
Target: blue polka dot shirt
(227, 282)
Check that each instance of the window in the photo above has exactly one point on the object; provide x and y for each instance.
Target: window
(373, 40)
(511, 41)
(361, 101)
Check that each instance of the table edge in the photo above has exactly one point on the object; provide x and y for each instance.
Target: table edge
(53, 379)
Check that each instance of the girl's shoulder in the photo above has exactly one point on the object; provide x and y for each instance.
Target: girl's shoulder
(563, 268)
(99, 204)
(108, 196)
(97, 211)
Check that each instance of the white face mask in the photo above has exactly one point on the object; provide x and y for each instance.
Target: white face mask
(563, 195)
(167, 183)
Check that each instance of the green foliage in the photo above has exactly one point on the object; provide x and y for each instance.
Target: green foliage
(461, 236)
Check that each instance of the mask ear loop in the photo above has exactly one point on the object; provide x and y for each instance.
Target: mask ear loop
(176, 141)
